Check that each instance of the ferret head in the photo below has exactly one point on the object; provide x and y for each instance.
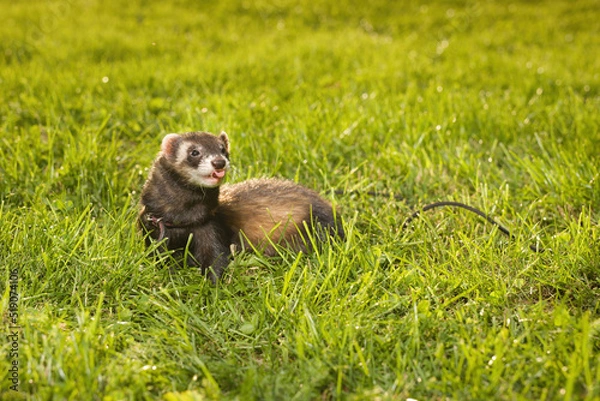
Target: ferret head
(202, 159)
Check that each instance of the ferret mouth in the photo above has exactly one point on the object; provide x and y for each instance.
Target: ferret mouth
(218, 174)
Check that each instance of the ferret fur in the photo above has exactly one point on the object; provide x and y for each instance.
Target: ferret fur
(264, 212)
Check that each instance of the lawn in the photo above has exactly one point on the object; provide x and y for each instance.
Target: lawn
(495, 104)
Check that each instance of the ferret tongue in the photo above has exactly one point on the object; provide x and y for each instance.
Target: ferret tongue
(218, 174)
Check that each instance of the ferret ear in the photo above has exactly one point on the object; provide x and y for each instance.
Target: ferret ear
(223, 137)
(169, 144)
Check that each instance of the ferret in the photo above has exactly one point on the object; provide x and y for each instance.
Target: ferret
(184, 203)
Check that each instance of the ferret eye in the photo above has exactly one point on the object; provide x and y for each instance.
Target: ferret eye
(195, 153)
(223, 149)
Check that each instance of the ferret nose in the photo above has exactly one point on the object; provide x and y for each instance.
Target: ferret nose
(219, 163)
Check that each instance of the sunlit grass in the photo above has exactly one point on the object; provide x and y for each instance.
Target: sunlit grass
(491, 104)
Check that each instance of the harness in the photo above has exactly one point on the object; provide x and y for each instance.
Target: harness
(160, 224)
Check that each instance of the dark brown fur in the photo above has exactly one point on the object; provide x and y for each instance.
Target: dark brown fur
(186, 210)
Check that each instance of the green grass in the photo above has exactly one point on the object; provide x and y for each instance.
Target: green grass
(492, 104)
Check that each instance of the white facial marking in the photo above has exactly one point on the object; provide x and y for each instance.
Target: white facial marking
(205, 175)
(182, 153)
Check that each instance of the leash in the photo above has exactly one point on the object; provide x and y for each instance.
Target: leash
(471, 209)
